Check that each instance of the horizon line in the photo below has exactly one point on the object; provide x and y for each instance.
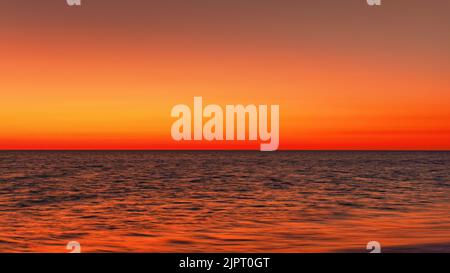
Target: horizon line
(224, 150)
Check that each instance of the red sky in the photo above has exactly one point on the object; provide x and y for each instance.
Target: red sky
(106, 75)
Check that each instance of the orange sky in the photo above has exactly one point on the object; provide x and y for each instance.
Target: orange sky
(105, 76)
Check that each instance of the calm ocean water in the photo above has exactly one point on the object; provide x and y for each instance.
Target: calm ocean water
(224, 201)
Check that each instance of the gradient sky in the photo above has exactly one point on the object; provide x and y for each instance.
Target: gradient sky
(106, 75)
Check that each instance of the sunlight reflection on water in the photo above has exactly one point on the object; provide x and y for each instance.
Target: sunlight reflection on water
(222, 201)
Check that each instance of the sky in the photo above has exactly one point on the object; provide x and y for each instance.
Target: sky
(107, 74)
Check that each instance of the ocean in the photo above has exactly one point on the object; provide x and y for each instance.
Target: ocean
(224, 201)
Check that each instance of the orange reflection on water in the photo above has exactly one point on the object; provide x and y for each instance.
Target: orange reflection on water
(224, 201)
